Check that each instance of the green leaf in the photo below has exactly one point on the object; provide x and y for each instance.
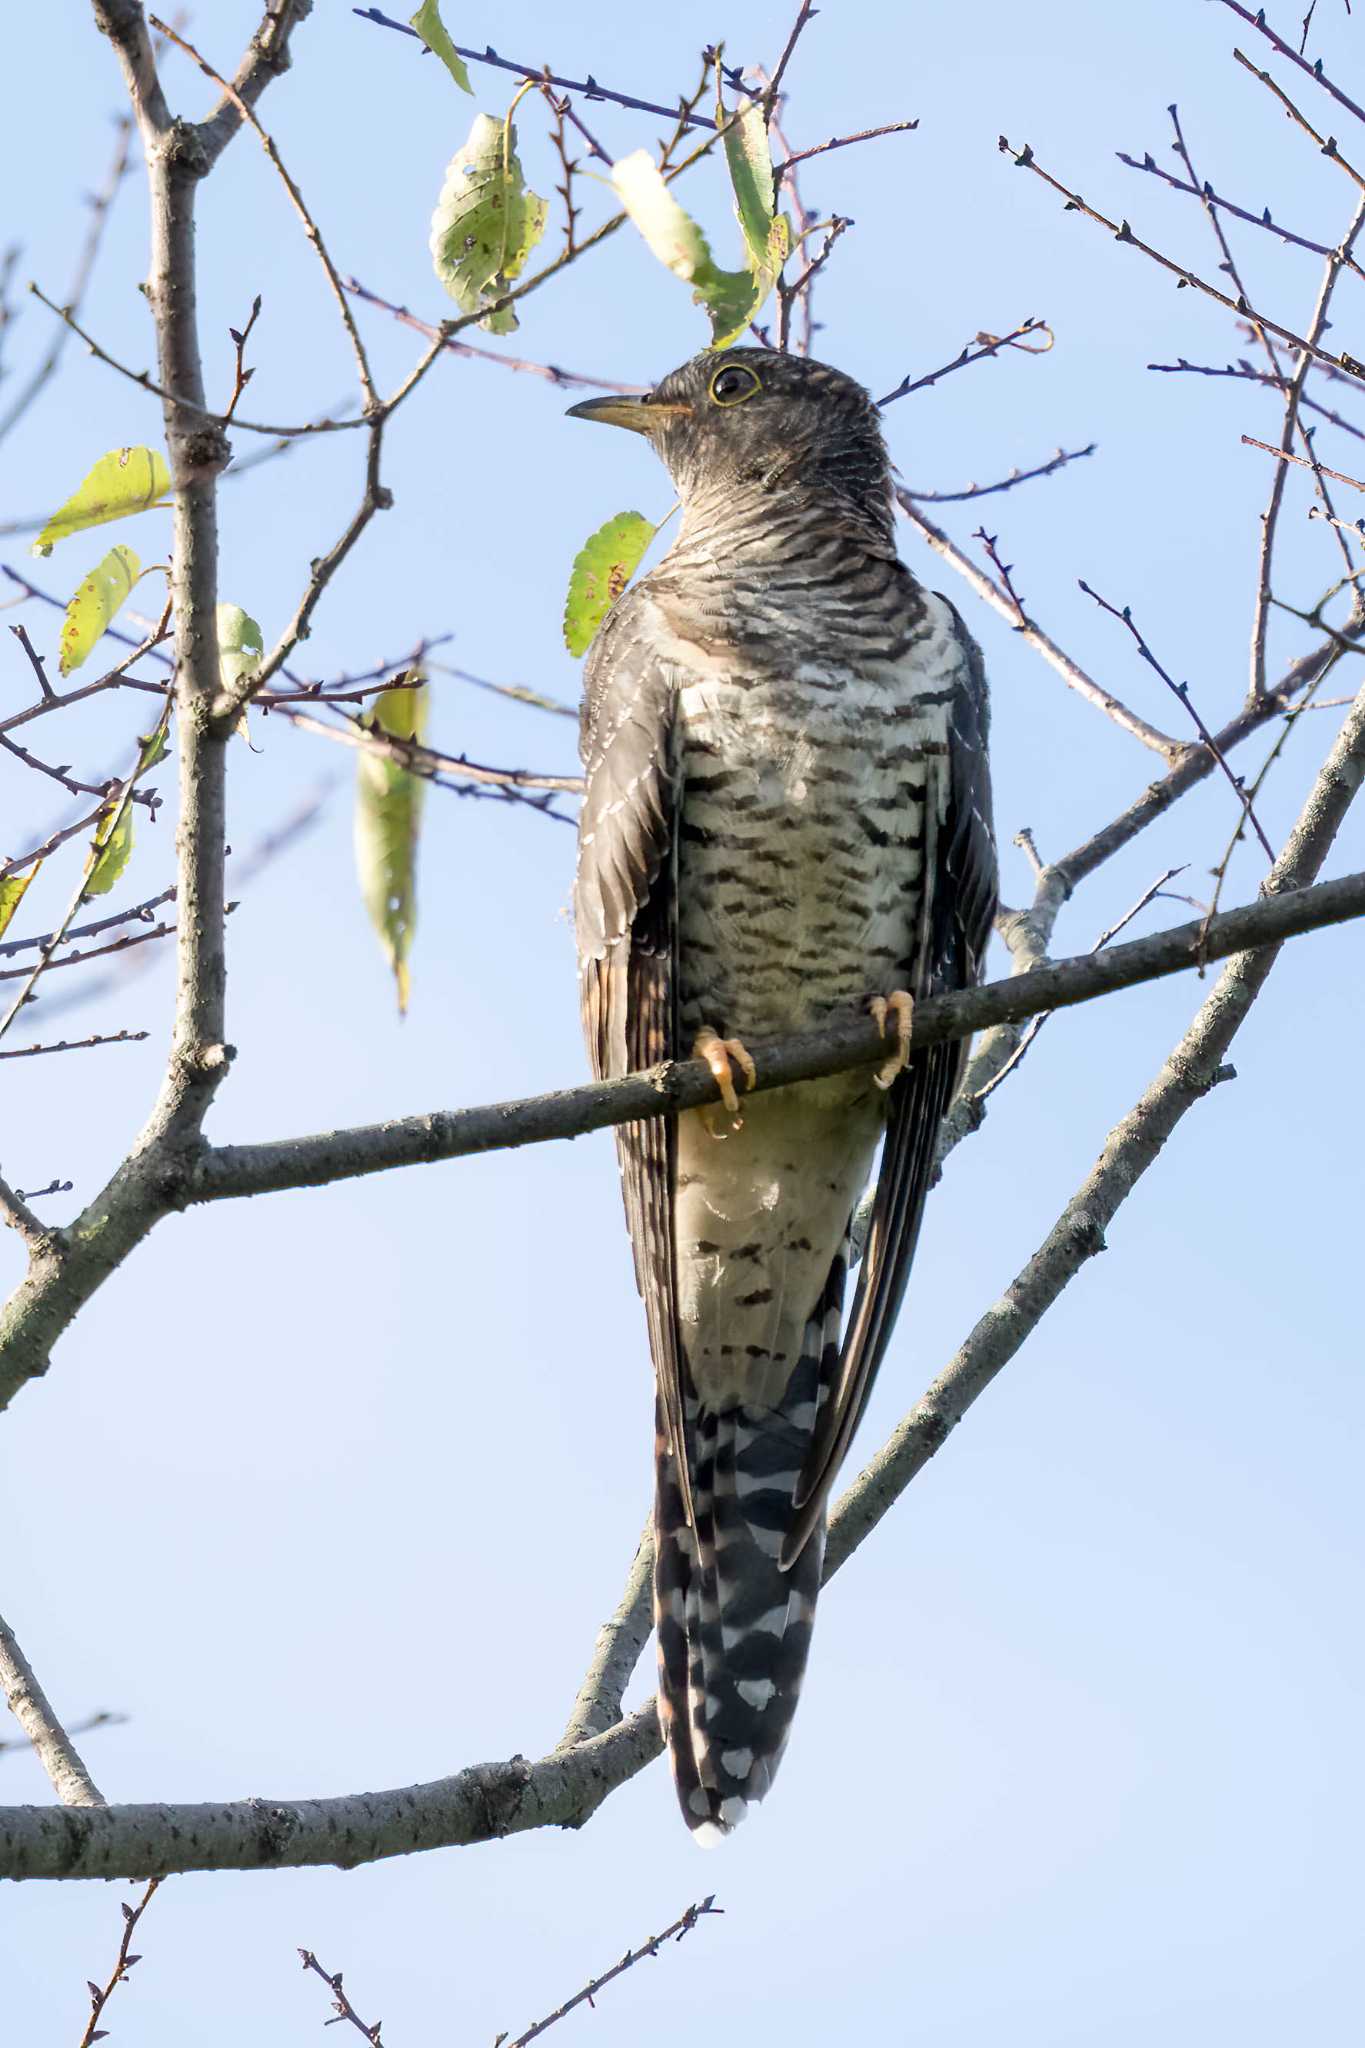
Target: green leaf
(12, 889)
(241, 648)
(96, 601)
(109, 850)
(602, 569)
(486, 223)
(126, 480)
(430, 27)
(388, 817)
(731, 297)
(751, 173)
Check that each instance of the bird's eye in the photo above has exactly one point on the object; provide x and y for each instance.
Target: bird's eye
(733, 384)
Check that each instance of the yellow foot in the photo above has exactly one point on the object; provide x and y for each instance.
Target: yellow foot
(901, 1005)
(719, 1053)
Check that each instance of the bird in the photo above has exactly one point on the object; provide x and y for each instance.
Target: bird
(786, 820)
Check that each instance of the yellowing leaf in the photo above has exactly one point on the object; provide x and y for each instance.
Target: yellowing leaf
(126, 480)
(12, 889)
(430, 27)
(109, 850)
(486, 223)
(731, 297)
(388, 817)
(602, 569)
(95, 603)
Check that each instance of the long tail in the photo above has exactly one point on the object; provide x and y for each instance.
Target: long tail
(734, 1628)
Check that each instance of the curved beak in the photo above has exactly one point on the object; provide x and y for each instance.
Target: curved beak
(639, 414)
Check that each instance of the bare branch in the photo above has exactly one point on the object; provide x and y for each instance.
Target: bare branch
(100, 206)
(616, 1651)
(588, 86)
(1182, 690)
(99, 1997)
(53, 1747)
(1206, 193)
(1314, 71)
(237, 99)
(1007, 483)
(1025, 160)
(1283, 455)
(235, 1170)
(341, 2004)
(681, 1926)
(553, 374)
(1000, 600)
(28, 1052)
(989, 345)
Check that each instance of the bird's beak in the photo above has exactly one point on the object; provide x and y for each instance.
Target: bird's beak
(641, 415)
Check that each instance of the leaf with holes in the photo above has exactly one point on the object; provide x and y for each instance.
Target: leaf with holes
(430, 27)
(731, 297)
(126, 480)
(95, 604)
(602, 569)
(12, 889)
(486, 223)
(388, 818)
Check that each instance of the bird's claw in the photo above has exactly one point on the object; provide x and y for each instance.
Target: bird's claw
(901, 1005)
(719, 1053)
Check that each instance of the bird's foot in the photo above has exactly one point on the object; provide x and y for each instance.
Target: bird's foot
(900, 1005)
(719, 1053)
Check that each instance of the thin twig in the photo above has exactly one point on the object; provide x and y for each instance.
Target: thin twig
(140, 913)
(843, 142)
(988, 345)
(28, 1052)
(102, 1719)
(1025, 160)
(341, 2004)
(1314, 71)
(99, 1998)
(588, 86)
(1072, 674)
(100, 207)
(1182, 690)
(1007, 483)
(681, 1926)
(1211, 198)
(567, 379)
(1283, 455)
(310, 226)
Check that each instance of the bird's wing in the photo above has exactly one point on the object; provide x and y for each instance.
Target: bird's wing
(626, 928)
(959, 906)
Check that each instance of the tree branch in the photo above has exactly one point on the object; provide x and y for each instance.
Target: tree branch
(234, 1170)
(53, 1747)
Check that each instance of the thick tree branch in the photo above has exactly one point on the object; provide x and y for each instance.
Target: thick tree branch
(232, 1170)
(53, 1747)
(616, 1651)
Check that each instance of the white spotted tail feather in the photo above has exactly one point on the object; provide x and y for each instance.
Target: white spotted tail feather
(734, 1622)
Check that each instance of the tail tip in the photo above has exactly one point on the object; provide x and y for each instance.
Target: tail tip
(720, 1820)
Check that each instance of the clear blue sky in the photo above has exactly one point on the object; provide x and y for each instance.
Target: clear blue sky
(331, 1491)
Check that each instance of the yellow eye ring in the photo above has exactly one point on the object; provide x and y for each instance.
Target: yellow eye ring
(732, 384)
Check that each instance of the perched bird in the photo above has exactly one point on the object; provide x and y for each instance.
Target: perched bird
(787, 817)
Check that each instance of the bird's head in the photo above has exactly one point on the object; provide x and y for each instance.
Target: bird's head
(750, 422)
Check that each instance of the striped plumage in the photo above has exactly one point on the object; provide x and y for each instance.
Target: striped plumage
(787, 813)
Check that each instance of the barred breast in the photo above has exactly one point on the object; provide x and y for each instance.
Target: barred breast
(811, 793)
